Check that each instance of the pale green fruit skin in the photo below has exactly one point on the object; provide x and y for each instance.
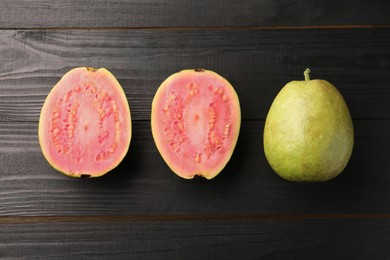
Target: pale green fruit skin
(308, 133)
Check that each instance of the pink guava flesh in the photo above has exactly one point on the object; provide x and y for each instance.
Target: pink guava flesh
(85, 123)
(195, 122)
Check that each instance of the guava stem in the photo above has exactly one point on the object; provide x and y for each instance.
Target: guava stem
(306, 74)
(91, 69)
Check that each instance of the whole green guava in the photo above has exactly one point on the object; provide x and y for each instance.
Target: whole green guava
(308, 132)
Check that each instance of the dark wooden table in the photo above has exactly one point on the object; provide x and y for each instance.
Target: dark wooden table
(141, 210)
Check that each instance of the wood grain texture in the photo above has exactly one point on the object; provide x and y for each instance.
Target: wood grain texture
(258, 63)
(154, 13)
(141, 210)
(144, 185)
(266, 239)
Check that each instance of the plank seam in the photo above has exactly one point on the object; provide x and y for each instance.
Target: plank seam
(167, 218)
(260, 27)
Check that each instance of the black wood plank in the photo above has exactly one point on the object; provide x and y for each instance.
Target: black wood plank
(265, 239)
(143, 184)
(257, 62)
(154, 13)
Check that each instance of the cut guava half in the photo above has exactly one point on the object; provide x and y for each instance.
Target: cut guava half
(85, 123)
(196, 122)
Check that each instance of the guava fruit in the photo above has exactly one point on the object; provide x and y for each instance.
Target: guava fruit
(196, 122)
(308, 132)
(85, 123)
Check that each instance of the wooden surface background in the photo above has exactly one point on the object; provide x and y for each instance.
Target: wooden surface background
(141, 210)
